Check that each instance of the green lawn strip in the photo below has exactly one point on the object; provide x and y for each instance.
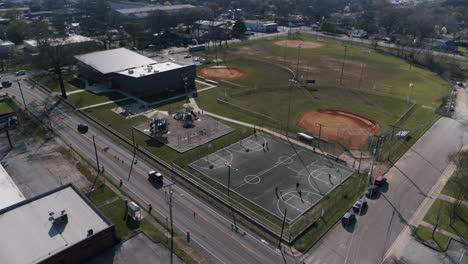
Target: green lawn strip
(87, 98)
(463, 51)
(70, 82)
(127, 227)
(5, 107)
(417, 123)
(334, 205)
(459, 225)
(101, 194)
(424, 234)
(450, 188)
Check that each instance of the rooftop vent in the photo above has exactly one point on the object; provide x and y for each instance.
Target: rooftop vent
(90, 232)
(130, 71)
(59, 219)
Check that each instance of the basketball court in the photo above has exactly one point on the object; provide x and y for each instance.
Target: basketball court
(274, 175)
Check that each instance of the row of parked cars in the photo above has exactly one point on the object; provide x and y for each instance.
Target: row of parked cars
(350, 217)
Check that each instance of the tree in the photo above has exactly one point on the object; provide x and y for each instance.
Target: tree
(133, 29)
(17, 30)
(328, 26)
(238, 29)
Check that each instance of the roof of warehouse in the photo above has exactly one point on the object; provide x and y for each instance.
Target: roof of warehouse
(152, 69)
(114, 60)
(28, 232)
(9, 192)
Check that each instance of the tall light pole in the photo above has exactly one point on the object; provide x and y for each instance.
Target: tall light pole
(344, 61)
(171, 221)
(229, 195)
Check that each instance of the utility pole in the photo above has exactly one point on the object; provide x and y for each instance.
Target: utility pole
(342, 67)
(22, 96)
(320, 132)
(97, 161)
(282, 227)
(229, 197)
(134, 154)
(171, 220)
(8, 134)
(292, 82)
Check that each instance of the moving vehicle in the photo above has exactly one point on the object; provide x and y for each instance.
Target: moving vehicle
(187, 56)
(155, 176)
(372, 191)
(348, 218)
(83, 128)
(20, 72)
(359, 204)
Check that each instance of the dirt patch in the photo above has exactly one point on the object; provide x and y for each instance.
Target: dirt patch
(305, 44)
(348, 128)
(219, 73)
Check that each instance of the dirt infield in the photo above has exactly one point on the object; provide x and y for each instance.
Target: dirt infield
(346, 127)
(219, 73)
(305, 44)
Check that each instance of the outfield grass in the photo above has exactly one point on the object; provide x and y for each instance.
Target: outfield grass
(425, 235)
(463, 51)
(459, 226)
(70, 82)
(5, 107)
(381, 73)
(86, 98)
(450, 188)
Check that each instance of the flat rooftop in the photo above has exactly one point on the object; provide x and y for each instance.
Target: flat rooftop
(71, 39)
(9, 192)
(114, 60)
(28, 232)
(153, 68)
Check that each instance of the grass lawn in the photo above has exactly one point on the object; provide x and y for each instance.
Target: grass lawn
(70, 82)
(460, 223)
(425, 234)
(101, 194)
(450, 187)
(5, 107)
(463, 50)
(87, 98)
(334, 206)
(127, 227)
(364, 68)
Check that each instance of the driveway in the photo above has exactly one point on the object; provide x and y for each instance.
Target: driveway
(410, 180)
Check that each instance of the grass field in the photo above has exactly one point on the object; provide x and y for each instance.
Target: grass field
(5, 107)
(70, 82)
(450, 187)
(86, 98)
(459, 225)
(425, 235)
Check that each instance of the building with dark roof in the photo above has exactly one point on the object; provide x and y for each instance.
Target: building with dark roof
(133, 73)
(59, 226)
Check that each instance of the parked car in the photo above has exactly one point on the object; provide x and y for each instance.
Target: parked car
(83, 128)
(187, 56)
(359, 204)
(372, 191)
(380, 181)
(155, 176)
(6, 84)
(20, 72)
(348, 218)
(196, 59)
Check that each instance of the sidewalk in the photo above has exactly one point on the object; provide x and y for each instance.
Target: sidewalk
(101, 104)
(451, 199)
(451, 235)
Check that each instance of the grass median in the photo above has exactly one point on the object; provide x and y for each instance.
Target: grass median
(438, 241)
(443, 214)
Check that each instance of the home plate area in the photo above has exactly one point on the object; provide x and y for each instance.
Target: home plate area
(273, 174)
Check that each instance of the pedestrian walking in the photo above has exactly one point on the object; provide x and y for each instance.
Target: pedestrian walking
(120, 183)
(194, 214)
(102, 169)
(150, 207)
(329, 178)
(297, 185)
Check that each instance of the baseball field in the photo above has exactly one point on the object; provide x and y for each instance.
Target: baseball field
(368, 86)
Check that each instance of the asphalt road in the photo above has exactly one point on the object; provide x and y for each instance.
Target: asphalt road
(409, 180)
(210, 231)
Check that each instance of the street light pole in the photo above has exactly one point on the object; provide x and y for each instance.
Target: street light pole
(229, 196)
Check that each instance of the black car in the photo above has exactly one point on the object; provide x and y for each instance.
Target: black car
(83, 128)
(6, 84)
(372, 191)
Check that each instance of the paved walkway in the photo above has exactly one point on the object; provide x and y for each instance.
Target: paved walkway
(451, 199)
(101, 104)
(76, 91)
(451, 235)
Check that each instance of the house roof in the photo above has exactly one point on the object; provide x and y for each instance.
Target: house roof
(114, 60)
(30, 234)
